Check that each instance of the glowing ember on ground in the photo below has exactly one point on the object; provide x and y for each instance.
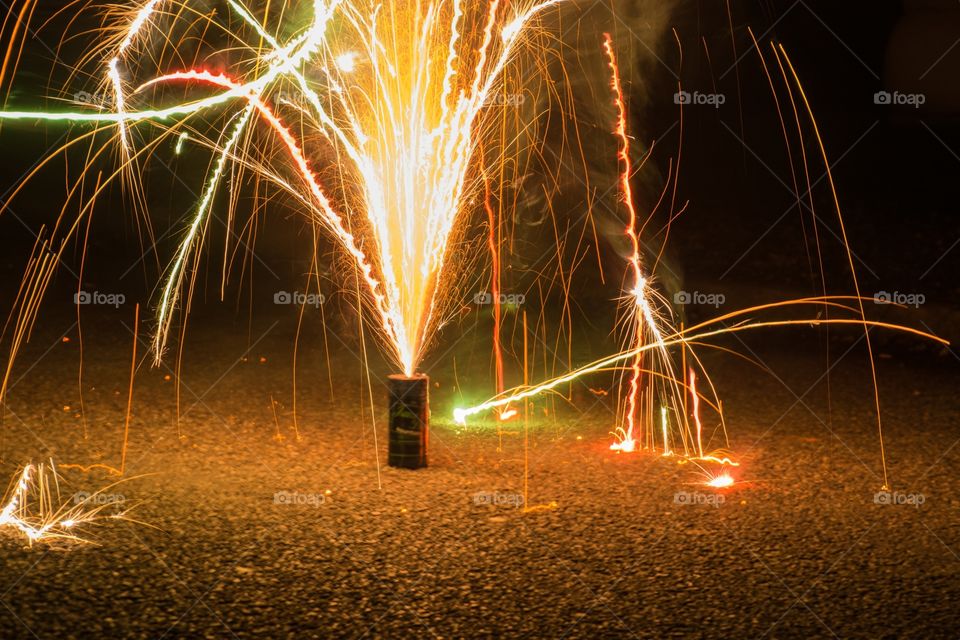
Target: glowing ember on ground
(721, 481)
(624, 445)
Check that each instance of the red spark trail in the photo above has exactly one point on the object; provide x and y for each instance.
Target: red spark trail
(631, 231)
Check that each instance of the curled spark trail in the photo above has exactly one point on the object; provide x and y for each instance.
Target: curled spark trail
(403, 100)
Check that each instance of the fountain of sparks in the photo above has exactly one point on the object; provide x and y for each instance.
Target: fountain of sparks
(402, 105)
(34, 509)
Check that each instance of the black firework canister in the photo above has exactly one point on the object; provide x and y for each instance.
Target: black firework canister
(409, 421)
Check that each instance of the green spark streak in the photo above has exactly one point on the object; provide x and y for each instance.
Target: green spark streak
(132, 116)
(460, 415)
(176, 271)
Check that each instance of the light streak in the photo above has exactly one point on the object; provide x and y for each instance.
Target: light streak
(175, 278)
(113, 73)
(493, 243)
(695, 398)
(183, 137)
(637, 313)
(411, 155)
(663, 424)
(329, 217)
(849, 253)
(720, 460)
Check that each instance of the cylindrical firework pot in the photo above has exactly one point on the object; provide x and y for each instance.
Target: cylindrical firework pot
(409, 421)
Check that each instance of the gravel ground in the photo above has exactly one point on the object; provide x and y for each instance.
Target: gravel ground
(611, 545)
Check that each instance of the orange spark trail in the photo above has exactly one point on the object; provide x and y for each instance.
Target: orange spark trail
(696, 411)
(492, 241)
(627, 444)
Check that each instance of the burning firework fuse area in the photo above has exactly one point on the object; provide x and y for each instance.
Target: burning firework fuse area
(542, 318)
